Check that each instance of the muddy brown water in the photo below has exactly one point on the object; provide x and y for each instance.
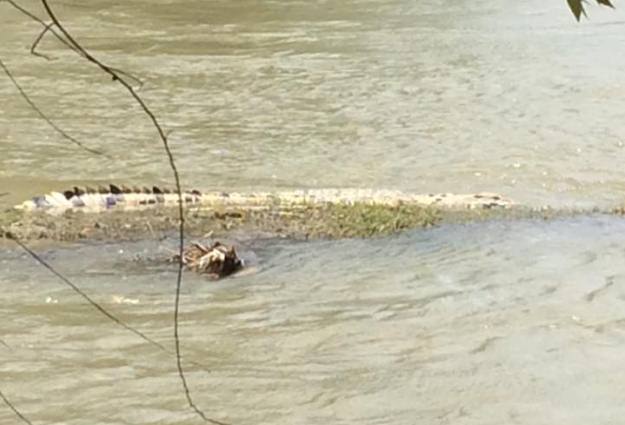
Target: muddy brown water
(516, 322)
(411, 95)
(489, 323)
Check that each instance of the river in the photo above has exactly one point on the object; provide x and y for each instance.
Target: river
(484, 323)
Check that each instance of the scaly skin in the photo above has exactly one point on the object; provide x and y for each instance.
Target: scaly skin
(126, 199)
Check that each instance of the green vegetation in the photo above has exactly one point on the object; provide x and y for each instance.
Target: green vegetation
(365, 220)
(301, 221)
(577, 6)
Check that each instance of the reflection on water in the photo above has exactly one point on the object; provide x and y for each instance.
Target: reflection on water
(488, 323)
(423, 96)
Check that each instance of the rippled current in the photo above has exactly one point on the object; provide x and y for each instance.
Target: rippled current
(514, 97)
(515, 322)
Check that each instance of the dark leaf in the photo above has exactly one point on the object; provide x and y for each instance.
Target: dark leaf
(606, 3)
(577, 6)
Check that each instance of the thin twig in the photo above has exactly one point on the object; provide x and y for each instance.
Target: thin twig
(38, 39)
(42, 23)
(80, 292)
(49, 28)
(25, 12)
(14, 409)
(117, 77)
(93, 303)
(45, 117)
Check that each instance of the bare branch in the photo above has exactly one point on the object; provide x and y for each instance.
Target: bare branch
(45, 117)
(119, 78)
(116, 75)
(49, 28)
(93, 303)
(38, 39)
(14, 409)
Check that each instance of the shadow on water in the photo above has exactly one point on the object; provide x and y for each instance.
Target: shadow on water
(489, 322)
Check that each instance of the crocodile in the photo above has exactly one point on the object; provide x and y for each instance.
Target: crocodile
(296, 213)
(121, 197)
(118, 212)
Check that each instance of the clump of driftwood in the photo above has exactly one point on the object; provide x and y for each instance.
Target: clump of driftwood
(216, 260)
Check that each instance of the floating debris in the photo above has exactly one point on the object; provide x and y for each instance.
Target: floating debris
(217, 260)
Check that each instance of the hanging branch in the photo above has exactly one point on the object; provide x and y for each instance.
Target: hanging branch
(45, 117)
(49, 28)
(119, 78)
(31, 103)
(14, 409)
(38, 39)
(93, 303)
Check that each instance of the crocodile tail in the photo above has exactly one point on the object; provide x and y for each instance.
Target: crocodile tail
(106, 197)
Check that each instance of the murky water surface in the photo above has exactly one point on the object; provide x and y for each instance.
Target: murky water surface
(514, 97)
(467, 324)
(491, 323)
